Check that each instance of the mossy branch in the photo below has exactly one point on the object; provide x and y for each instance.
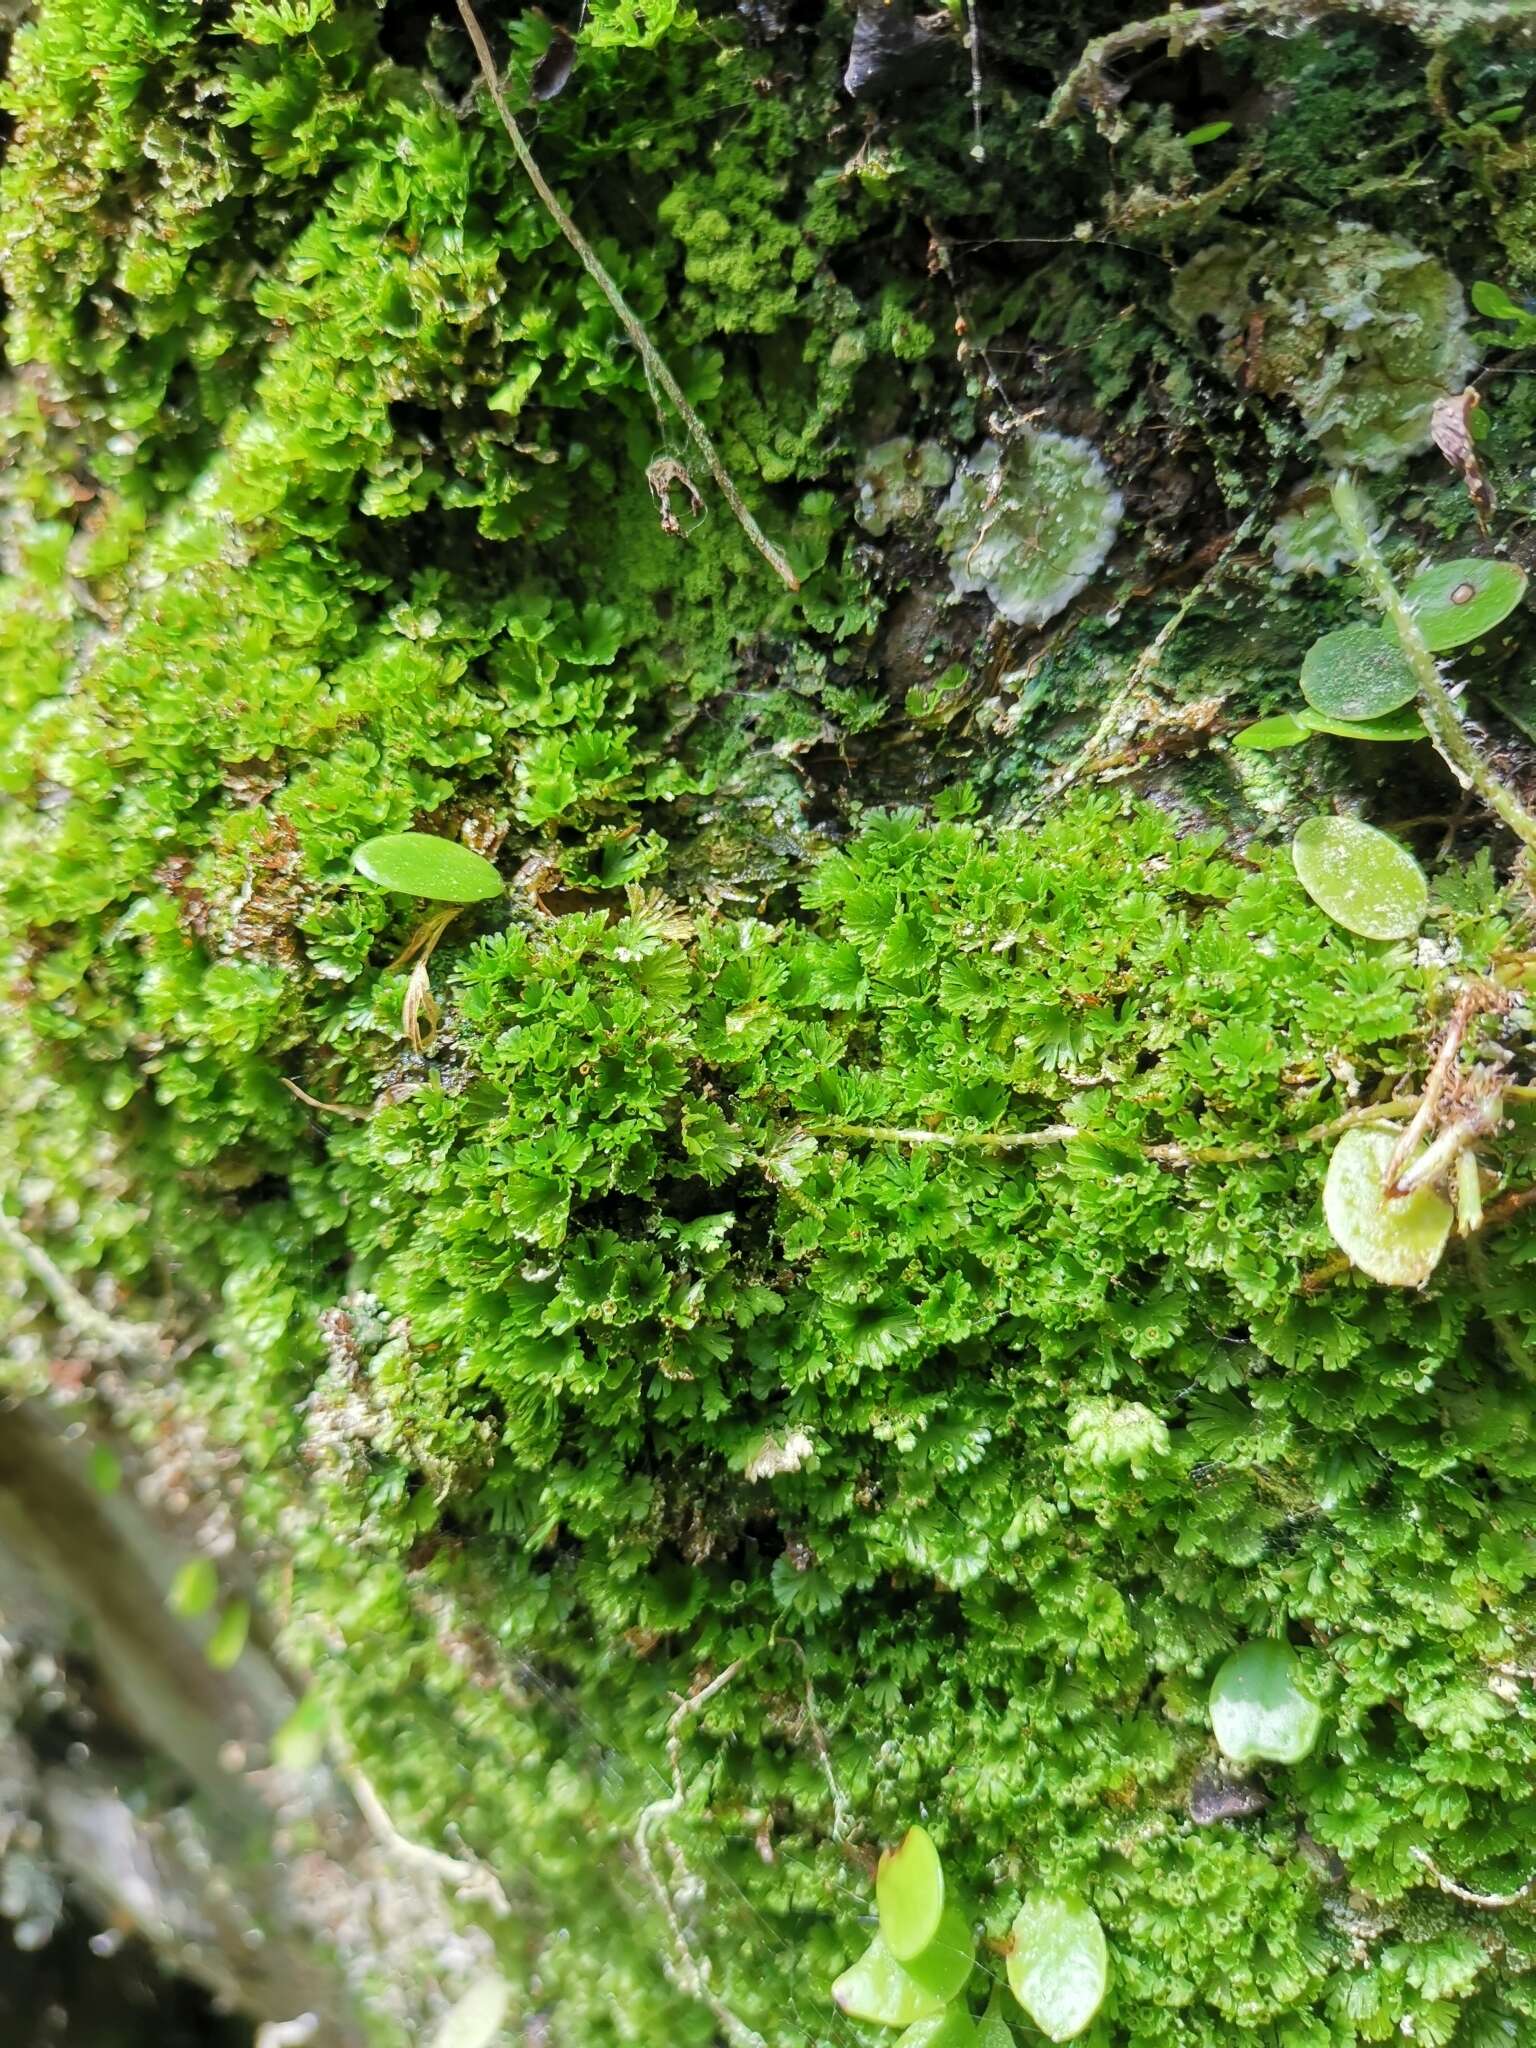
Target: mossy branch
(1190, 27)
(1436, 706)
(650, 355)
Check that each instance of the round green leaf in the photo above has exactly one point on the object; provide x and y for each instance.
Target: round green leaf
(909, 1891)
(418, 864)
(952, 2029)
(1258, 1709)
(1358, 673)
(1397, 1241)
(1361, 878)
(225, 1645)
(945, 1964)
(877, 1989)
(477, 2019)
(1058, 1965)
(1396, 725)
(1460, 601)
(194, 1588)
(1283, 729)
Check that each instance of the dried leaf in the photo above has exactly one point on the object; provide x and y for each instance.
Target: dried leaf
(1450, 426)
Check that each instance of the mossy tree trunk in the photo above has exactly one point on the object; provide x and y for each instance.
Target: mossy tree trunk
(538, 1437)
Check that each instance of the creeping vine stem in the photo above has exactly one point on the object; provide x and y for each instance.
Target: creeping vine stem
(1435, 704)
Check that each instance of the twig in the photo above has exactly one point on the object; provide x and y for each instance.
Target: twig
(650, 356)
(1469, 1004)
(1167, 1154)
(983, 1141)
(1143, 669)
(469, 1879)
(329, 1108)
(1184, 26)
(134, 1343)
(1435, 704)
(1490, 1901)
(973, 44)
(941, 256)
(690, 1972)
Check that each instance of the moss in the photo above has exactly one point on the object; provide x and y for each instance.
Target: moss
(599, 1352)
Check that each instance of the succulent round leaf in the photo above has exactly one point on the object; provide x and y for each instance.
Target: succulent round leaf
(1397, 1241)
(1455, 602)
(1357, 673)
(909, 1892)
(1266, 735)
(226, 1645)
(1260, 1712)
(952, 2029)
(421, 864)
(195, 1588)
(944, 1966)
(1361, 878)
(876, 1988)
(1058, 1965)
(1404, 724)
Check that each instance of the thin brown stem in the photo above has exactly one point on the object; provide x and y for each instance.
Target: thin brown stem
(328, 1108)
(650, 356)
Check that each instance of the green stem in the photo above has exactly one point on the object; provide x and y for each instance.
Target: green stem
(1436, 707)
(1169, 1154)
